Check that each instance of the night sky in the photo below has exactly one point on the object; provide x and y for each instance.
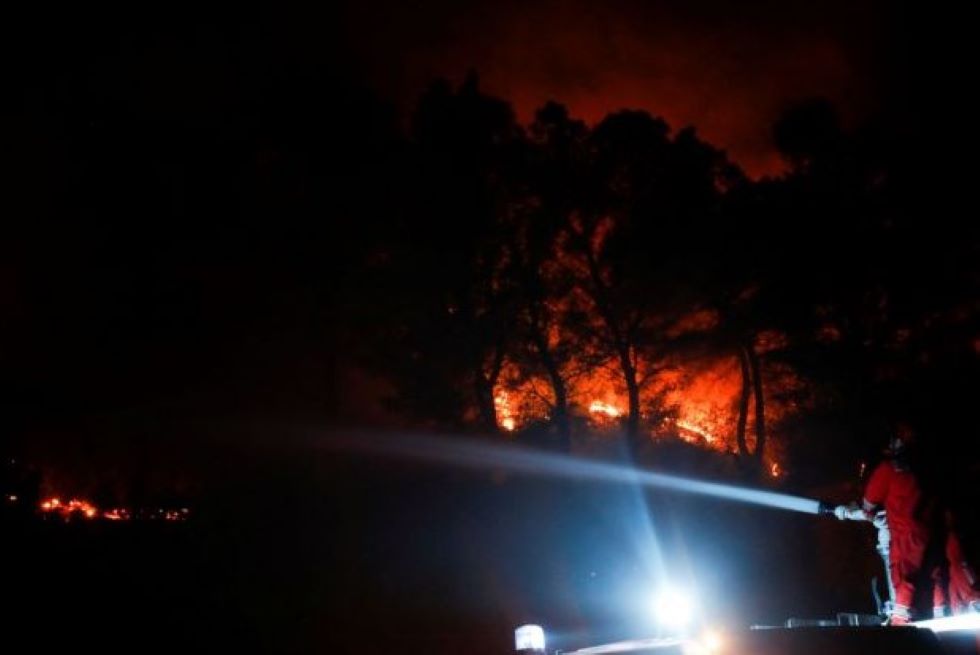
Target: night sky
(728, 69)
(146, 104)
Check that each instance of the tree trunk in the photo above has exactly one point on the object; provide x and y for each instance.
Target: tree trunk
(561, 399)
(760, 403)
(563, 427)
(485, 403)
(743, 402)
(633, 394)
(558, 388)
(623, 348)
(484, 384)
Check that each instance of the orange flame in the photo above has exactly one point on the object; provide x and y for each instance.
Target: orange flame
(73, 506)
(50, 504)
(506, 418)
(87, 510)
(704, 401)
(699, 395)
(696, 429)
(604, 408)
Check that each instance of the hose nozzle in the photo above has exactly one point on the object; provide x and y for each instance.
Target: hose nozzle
(826, 509)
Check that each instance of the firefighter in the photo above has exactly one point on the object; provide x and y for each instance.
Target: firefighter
(917, 549)
(964, 588)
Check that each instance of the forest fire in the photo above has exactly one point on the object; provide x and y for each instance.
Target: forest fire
(705, 402)
(687, 426)
(604, 408)
(72, 508)
(116, 514)
(83, 509)
(505, 412)
(696, 401)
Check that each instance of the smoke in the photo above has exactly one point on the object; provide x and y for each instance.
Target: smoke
(473, 454)
(728, 68)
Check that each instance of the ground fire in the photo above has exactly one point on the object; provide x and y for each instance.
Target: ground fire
(604, 408)
(694, 401)
(76, 508)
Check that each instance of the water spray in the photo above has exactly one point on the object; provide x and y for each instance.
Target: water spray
(826, 509)
(475, 454)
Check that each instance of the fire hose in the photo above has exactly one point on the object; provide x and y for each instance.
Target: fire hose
(853, 512)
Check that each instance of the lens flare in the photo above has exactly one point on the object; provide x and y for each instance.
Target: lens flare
(673, 608)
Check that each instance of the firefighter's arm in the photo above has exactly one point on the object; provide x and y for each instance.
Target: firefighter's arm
(877, 489)
(874, 495)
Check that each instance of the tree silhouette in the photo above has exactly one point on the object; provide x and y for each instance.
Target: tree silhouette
(535, 261)
(449, 300)
(555, 170)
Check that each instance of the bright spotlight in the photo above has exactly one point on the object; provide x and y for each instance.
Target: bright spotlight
(673, 608)
(529, 639)
(952, 623)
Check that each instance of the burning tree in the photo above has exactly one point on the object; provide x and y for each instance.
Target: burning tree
(567, 279)
(545, 349)
(446, 302)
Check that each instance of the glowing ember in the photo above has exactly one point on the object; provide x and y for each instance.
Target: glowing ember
(599, 407)
(11, 498)
(50, 504)
(76, 507)
(506, 418)
(86, 508)
(174, 514)
(72, 507)
(691, 427)
(116, 514)
(774, 470)
(828, 333)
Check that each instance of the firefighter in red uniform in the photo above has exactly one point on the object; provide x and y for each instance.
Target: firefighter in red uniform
(964, 588)
(925, 548)
(917, 549)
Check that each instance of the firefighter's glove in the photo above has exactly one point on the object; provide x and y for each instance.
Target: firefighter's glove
(850, 513)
